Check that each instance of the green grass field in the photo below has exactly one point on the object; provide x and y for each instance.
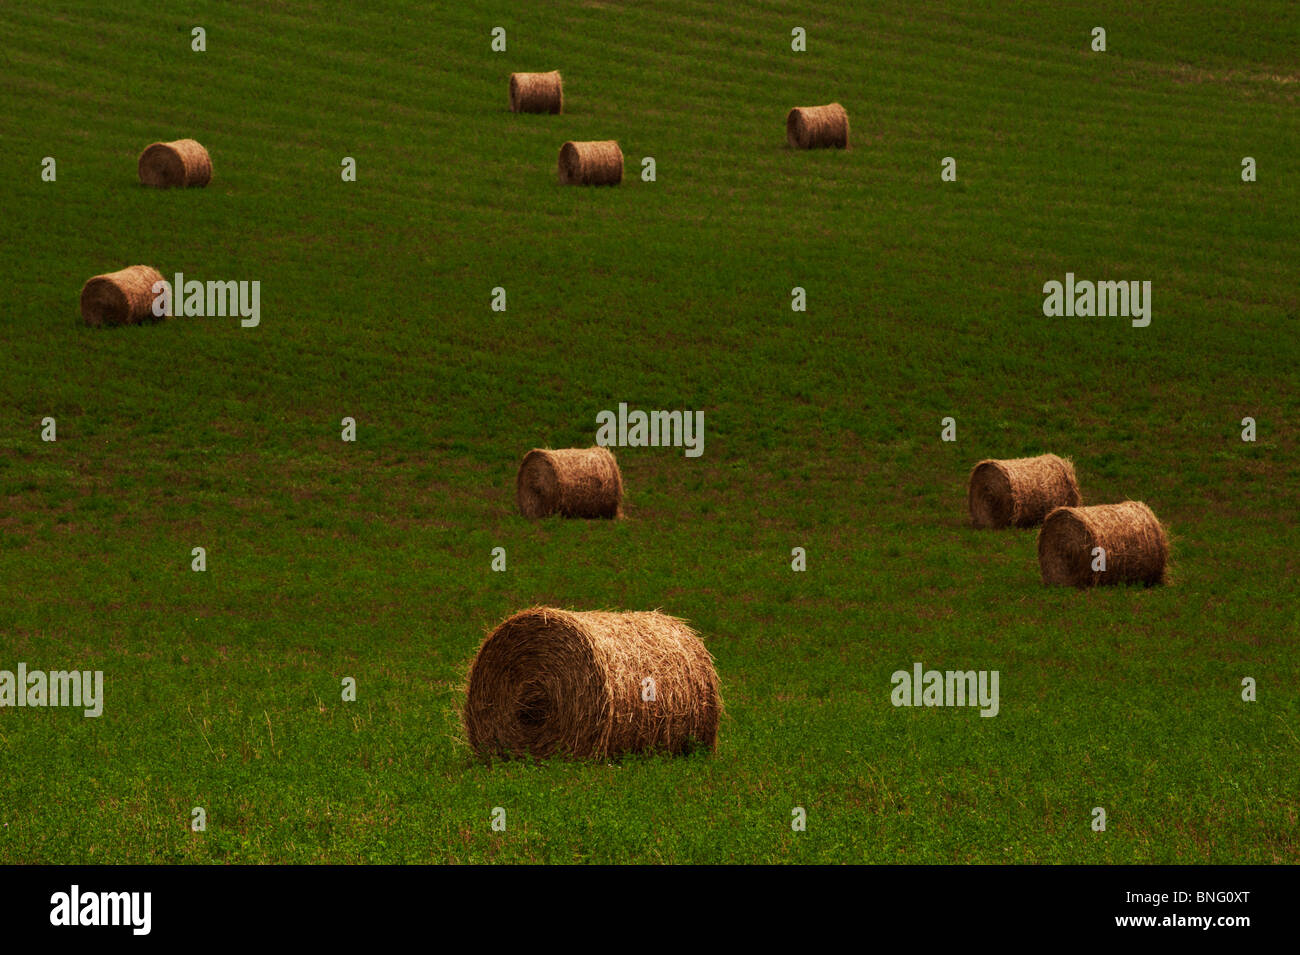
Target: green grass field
(822, 428)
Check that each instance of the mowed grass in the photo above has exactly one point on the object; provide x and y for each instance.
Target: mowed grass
(372, 560)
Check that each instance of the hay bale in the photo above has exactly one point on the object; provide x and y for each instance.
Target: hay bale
(817, 127)
(591, 164)
(550, 681)
(572, 482)
(536, 92)
(1136, 546)
(1020, 491)
(183, 162)
(125, 297)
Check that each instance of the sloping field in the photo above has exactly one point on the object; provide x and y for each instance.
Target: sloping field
(372, 559)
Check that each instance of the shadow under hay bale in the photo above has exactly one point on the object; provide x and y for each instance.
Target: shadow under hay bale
(124, 297)
(817, 127)
(591, 685)
(537, 92)
(1020, 492)
(1135, 544)
(182, 162)
(571, 482)
(598, 163)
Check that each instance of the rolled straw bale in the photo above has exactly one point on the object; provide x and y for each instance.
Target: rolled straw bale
(183, 162)
(597, 163)
(550, 681)
(1135, 543)
(1020, 491)
(125, 297)
(572, 482)
(536, 92)
(817, 127)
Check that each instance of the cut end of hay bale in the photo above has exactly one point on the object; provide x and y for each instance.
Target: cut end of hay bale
(1020, 492)
(182, 162)
(124, 297)
(817, 127)
(571, 482)
(591, 685)
(537, 92)
(597, 163)
(1134, 543)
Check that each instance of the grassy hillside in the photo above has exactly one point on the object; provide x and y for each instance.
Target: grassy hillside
(371, 560)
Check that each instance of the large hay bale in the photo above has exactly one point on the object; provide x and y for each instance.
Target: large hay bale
(536, 92)
(591, 164)
(124, 297)
(817, 127)
(1020, 492)
(550, 681)
(1135, 543)
(572, 482)
(183, 162)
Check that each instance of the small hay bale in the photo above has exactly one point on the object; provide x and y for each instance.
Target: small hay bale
(1020, 492)
(550, 681)
(1135, 543)
(125, 297)
(591, 164)
(572, 482)
(817, 127)
(183, 162)
(536, 92)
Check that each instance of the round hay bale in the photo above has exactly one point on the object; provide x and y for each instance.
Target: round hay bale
(1135, 543)
(572, 482)
(125, 297)
(183, 162)
(537, 92)
(817, 127)
(1020, 492)
(550, 681)
(591, 164)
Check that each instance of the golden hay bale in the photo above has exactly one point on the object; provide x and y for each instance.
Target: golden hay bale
(125, 297)
(817, 127)
(1020, 491)
(180, 163)
(591, 164)
(550, 681)
(536, 92)
(1135, 544)
(573, 482)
